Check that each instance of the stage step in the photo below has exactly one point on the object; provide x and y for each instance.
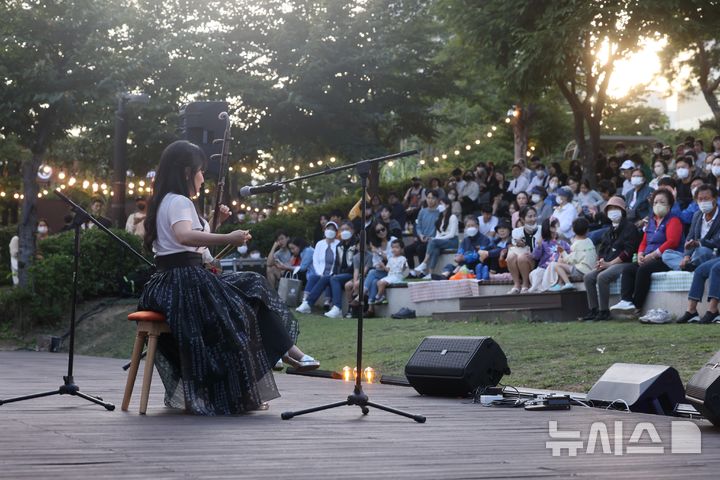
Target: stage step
(549, 306)
(497, 315)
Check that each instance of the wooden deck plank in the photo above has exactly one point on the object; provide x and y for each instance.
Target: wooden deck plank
(66, 437)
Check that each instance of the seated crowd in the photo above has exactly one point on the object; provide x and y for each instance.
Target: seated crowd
(543, 230)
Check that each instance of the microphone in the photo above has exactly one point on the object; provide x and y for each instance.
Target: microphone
(248, 190)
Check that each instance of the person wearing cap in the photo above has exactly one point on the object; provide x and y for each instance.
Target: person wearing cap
(538, 196)
(497, 255)
(135, 221)
(637, 199)
(323, 260)
(565, 213)
(615, 252)
(626, 169)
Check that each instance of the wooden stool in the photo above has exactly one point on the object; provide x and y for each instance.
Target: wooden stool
(150, 325)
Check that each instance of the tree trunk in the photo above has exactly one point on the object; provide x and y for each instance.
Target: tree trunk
(592, 151)
(712, 102)
(28, 223)
(521, 128)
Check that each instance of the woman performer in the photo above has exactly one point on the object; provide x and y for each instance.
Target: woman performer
(227, 331)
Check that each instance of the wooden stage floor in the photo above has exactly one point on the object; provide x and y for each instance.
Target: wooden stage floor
(66, 437)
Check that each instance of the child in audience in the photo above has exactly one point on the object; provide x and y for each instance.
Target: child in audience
(396, 268)
(497, 254)
(581, 261)
(548, 251)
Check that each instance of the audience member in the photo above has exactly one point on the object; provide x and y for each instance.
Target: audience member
(424, 229)
(520, 261)
(662, 232)
(446, 237)
(615, 253)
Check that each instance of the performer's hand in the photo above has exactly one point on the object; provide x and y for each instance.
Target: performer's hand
(239, 237)
(224, 214)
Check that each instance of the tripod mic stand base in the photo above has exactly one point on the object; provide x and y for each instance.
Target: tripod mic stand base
(67, 388)
(359, 398)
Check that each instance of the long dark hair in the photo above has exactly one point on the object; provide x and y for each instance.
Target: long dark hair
(442, 222)
(179, 163)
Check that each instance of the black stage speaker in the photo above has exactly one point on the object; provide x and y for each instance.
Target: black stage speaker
(455, 365)
(703, 390)
(645, 388)
(199, 124)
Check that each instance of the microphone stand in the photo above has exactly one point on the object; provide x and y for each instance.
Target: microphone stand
(69, 387)
(358, 397)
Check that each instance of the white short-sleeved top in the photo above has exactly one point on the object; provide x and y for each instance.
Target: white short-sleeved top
(176, 208)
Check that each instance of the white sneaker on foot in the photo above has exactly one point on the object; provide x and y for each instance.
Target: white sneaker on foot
(304, 308)
(421, 268)
(334, 312)
(623, 305)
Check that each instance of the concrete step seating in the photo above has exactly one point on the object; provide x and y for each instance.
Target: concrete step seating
(668, 291)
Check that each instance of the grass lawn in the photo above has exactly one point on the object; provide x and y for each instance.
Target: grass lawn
(563, 356)
(566, 356)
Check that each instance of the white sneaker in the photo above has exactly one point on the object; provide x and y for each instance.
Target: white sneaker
(334, 312)
(304, 308)
(623, 305)
(421, 268)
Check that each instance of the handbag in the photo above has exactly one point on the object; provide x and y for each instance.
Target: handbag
(290, 289)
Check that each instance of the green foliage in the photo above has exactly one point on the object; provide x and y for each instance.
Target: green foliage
(103, 263)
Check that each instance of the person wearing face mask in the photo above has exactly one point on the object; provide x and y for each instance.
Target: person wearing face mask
(637, 199)
(470, 252)
(703, 237)
(519, 258)
(446, 237)
(714, 177)
(456, 208)
(663, 232)
(657, 151)
(340, 273)
(684, 176)
(626, 170)
(134, 223)
(615, 251)
(323, 259)
(540, 179)
(660, 170)
(537, 200)
(565, 213)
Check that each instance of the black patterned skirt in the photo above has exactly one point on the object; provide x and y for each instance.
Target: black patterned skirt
(227, 333)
